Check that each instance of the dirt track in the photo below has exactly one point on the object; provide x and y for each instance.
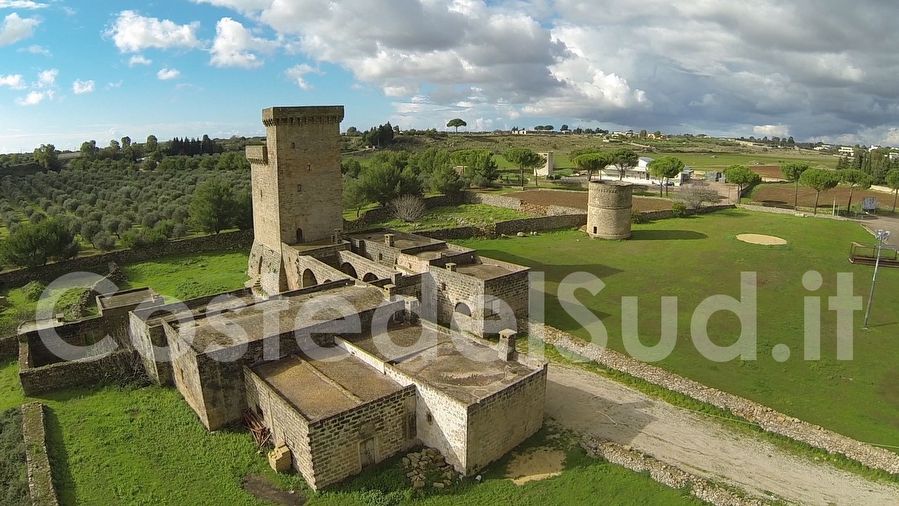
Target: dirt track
(588, 403)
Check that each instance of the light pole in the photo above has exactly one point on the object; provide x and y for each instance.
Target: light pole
(882, 236)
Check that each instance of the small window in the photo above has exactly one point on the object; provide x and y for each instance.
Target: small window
(594, 230)
(380, 257)
(299, 188)
(443, 287)
(293, 145)
(429, 418)
(308, 167)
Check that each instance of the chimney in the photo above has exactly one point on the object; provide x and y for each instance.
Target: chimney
(450, 266)
(506, 346)
(388, 240)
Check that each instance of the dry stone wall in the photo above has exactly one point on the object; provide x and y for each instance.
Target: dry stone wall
(40, 477)
(763, 416)
(115, 366)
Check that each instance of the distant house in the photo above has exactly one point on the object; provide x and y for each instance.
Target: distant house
(640, 174)
(894, 155)
(847, 151)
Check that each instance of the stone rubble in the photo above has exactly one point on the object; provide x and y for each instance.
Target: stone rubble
(428, 468)
(765, 417)
(665, 474)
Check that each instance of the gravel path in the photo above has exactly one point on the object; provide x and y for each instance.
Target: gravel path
(588, 403)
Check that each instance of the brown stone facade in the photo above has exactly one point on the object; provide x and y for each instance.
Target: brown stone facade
(609, 208)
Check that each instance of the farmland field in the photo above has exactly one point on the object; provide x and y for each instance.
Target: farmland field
(783, 195)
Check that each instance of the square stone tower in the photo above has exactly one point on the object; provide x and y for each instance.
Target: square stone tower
(297, 185)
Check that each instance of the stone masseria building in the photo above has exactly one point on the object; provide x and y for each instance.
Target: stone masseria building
(350, 348)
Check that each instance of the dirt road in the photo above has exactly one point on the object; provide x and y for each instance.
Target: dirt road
(588, 403)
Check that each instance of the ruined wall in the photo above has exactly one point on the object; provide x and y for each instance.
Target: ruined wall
(88, 371)
(186, 374)
(450, 289)
(336, 441)
(40, 475)
(513, 290)
(441, 421)
(499, 423)
(9, 347)
(99, 263)
(156, 360)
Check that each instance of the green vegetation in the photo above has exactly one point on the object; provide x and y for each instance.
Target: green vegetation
(706, 259)
(189, 276)
(463, 215)
(13, 474)
(33, 244)
(144, 445)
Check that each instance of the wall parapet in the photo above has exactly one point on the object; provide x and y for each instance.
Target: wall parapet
(40, 476)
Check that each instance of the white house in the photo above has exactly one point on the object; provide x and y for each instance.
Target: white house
(640, 174)
(847, 151)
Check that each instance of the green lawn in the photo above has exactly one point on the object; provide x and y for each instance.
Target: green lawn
(698, 257)
(120, 445)
(471, 215)
(189, 276)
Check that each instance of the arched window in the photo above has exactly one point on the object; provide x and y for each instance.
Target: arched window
(309, 278)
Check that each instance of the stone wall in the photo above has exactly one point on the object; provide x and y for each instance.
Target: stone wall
(499, 423)
(40, 477)
(9, 347)
(513, 289)
(701, 488)
(83, 334)
(336, 442)
(758, 414)
(112, 367)
(452, 289)
(287, 426)
(441, 421)
(539, 224)
(98, 263)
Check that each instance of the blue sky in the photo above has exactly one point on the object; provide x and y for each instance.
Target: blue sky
(72, 71)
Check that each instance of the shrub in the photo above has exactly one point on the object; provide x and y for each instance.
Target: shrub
(638, 218)
(32, 291)
(680, 209)
(32, 245)
(142, 238)
(103, 241)
(408, 208)
(694, 195)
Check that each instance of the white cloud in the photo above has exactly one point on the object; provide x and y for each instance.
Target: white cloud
(235, 46)
(167, 74)
(298, 74)
(771, 130)
(112, 86)
(21, 4)
(34, 98)
(132, 32)
(80, 87)
(14, 81)
(139, 59)
(36, 49)
(15, 28)
(47, 78)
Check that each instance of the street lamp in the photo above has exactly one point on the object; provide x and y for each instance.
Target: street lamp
(881, 236)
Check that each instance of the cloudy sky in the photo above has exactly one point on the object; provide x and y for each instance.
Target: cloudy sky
(814, 69)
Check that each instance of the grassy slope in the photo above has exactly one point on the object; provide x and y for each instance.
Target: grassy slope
(13, 474)
(698, 257)
(189, 276)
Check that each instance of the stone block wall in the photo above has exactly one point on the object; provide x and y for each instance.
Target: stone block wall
(336, 442)
(363, 266)
(513, 290)
(539, 224)
(83, 334)
(286, 424)
(296, 267)
(450, 289)
(499, 423)
(9, 347)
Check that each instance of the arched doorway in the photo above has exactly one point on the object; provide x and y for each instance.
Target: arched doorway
(463, 309)
(299, 235)
(369, 277)
(349, 270)
(309, 278)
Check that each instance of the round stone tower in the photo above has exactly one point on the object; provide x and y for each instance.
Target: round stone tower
(609, 207)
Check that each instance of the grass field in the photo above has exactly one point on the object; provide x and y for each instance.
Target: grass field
(698, 257)
(122, 445)
(578, 200)
(470, 215)
(190, 276)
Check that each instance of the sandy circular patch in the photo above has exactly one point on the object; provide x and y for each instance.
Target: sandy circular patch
(764, 240)
(538, 464)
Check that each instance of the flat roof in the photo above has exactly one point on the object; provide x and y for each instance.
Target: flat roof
(294, 312)
(464, 369)
(484, 270)
(399, 341)
(401, 240)
(319, 389)
(127, 298)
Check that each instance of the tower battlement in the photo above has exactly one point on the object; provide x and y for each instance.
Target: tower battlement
(320, 114)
